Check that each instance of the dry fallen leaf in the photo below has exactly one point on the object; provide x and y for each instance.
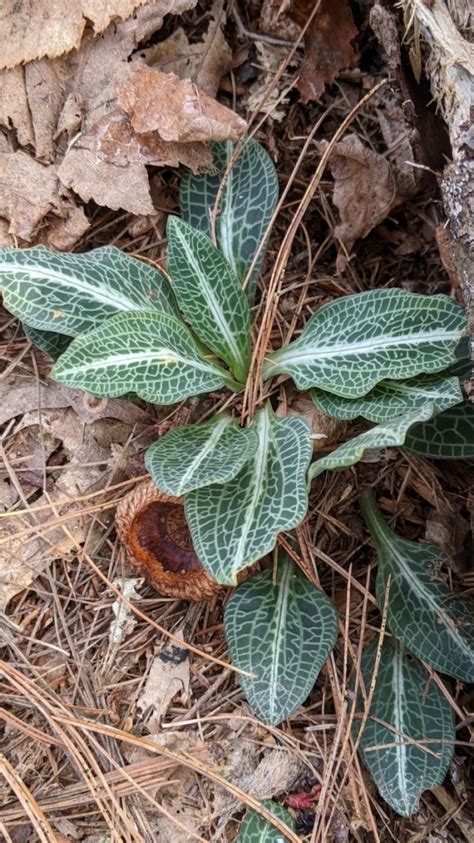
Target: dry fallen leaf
(14, 108)
(66, 108)
(114, 140)
(327, 44)
(365, 188)
(169, 675)
(205, 62)
(176, 108)
(28, 191)
(30, 31)
(275, 773)
(63, 234)
(86, 439)
(109, 185)
(54, 105)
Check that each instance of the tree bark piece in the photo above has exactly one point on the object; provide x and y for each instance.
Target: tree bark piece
(449, 66)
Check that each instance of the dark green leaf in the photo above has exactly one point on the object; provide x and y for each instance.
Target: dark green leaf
(407, 707)
(390, 399)
(148, 353)
(210, 295)
(449, 436)
(197, 455)
(236, 523)
(72, 294)
(256, 829)
(282, 630)
(353, 343)
(53, 344)
(391, 434)
(247, 202)
(433, 622)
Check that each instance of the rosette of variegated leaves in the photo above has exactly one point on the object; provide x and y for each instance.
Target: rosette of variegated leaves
(119, 326)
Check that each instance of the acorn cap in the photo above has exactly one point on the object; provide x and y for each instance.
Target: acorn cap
(153, 528)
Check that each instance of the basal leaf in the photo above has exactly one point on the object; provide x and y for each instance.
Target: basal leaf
(391, 434)
(390, 399)
(148, 353)
(449, 436)
(236, 523)
(407, 706)
(282, 631)
(256, 829)
(433, 622)
(463, 367)
(53, 344)
(353, 343)
(197, 455)
(246, 205)
(210, 295)
(72, 294)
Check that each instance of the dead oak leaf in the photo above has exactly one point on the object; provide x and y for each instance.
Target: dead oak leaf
(205, 62)
(14, 108)
(365, 188)
(29, 31)
(28, 192)
(113, 139)
(327, 44)
(107, 184)
(176, 108)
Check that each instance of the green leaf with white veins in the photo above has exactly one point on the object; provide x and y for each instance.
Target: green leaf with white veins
(256, 829)
(236, 523)
(449, 436)
(281, 630)
(391, 434)
(435, 623)
(209, 294)
(246, 205)
(197, 455)
(392, 398)
(407, 707)
(53, 344)
(148, 353)
(353, 343)
(72, 294)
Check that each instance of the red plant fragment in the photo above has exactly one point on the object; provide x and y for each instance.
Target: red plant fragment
(303, 800)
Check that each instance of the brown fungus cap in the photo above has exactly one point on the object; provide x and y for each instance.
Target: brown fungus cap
(153, 528)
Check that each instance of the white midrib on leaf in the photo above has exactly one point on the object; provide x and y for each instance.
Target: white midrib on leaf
(426, 595)
(225, 221)
(314, 352)
(262, 424)
(165, 356)
(99, 294)
(281, 611)
(398, 686)
(214, 306)
(203, 453)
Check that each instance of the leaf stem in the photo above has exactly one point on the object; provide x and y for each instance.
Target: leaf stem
(371, 513)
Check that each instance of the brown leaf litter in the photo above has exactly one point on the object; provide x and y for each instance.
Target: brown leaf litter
(52, 418)
(169, 676)
(30, 31)
(175, 108)
(63, 104)
(366, 189)
(327, 44)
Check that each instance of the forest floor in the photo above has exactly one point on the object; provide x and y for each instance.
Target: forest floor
(76, 728)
